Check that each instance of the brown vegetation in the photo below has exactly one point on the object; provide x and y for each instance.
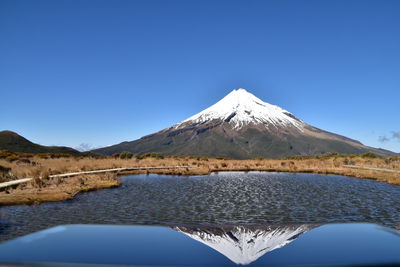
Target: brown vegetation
(43, 188)
(48, 190)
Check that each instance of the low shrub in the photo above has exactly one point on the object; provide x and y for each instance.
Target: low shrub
(5, 153)
(369, 155)
(12, 158)
(125, 155)
(150, 155)
(4, 169)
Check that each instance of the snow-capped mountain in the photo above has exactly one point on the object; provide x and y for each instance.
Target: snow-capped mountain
(242, 126)
(244, 245)
(240, 108)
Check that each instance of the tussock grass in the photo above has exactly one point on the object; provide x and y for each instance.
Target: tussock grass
(43, 188)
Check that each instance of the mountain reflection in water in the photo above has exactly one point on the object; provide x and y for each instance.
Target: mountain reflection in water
(139, 245)
(243, 245)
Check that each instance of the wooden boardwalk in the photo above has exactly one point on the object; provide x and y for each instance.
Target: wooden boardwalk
(371, 168)
(20, 181)
(25, 180)
(14, 182)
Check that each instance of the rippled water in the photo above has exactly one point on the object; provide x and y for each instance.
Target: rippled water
(231, 198)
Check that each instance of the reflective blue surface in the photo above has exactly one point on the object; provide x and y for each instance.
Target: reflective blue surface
(226, 198)
(180, 245)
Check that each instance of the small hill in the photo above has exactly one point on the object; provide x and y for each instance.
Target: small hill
(14, 142)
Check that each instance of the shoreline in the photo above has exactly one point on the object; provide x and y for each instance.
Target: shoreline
(43, 196)
(50, 185)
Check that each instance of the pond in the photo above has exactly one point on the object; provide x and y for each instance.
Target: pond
(218, 199)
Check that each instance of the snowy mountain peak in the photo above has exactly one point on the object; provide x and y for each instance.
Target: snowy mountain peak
(241, 108)
(245, 245)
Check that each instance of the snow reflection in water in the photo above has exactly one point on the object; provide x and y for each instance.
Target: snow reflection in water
(243, 245)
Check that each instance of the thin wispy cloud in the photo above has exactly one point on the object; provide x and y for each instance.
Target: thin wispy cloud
(383, 139)
(395, 135)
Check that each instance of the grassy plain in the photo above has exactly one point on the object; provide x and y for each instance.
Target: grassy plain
(43, 188)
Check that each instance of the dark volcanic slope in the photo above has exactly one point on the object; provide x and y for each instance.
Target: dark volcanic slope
(250, 142)
(14, 142)
(242, 126)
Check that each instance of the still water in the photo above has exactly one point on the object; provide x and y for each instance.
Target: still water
(287, 245)
(220, 199)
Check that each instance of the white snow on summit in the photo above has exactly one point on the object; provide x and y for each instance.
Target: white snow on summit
(242, 245)
(241, 108)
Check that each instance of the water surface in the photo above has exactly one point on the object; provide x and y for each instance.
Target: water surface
(229, 198)
(285, 245)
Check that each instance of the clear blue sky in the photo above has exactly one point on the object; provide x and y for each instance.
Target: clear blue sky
(102, 72)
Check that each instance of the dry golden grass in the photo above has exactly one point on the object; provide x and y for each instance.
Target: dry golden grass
(48, 190)
(43, 188)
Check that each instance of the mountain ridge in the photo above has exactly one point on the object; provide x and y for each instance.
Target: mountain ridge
(14, 142)
(242, 126)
